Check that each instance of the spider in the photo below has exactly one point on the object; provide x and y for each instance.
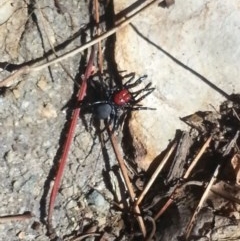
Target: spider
(118, 101)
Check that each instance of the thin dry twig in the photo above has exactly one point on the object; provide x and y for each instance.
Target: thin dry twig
(196, 159)
(200, 204)
(186, 175)
(231, 144)
(127, 181)
(154, 228)
(155, 174)
(67, 144)
(32, 68)
(86, 236)
(16, 217)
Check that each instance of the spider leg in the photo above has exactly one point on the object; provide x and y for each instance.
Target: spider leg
(94, 103)
(114, 119)
(130, 80)
(137, 82)
(146, 88)
(148, 92)
(138, 107)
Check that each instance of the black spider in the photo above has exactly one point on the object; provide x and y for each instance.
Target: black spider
(117, 101)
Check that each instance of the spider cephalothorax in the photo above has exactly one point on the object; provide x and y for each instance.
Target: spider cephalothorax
(117, 101)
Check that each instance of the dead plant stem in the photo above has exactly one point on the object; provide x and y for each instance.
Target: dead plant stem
(196, 159)
(16, 217)
(200, 204)
(127, 181)
(155, 174)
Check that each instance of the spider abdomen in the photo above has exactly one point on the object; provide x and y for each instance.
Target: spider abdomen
(102, 111)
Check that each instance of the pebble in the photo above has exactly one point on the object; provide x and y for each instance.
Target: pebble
(48, 111)
(21, 235)
(42, 83)
(98, 201)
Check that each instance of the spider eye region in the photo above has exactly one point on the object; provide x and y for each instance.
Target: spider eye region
(102, 111)
(122, 97)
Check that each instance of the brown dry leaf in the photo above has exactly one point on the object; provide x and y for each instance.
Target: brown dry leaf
(236, 166)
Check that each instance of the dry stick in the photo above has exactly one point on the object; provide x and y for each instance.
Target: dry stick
(190, 168)
(16, 217)
(196, 159)
(31, 68)
(204, 196)
(236, 114)
(86, 236)
(155, 174)
(154, 228)
(127, 181)
(67, 144)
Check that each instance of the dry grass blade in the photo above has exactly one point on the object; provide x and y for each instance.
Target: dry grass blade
(232, 144)
(196, 159)
(16, 217)
(200, 204)
(155, 174)
(84, 236)
(127, 181)
(27, 69)
(154, 228)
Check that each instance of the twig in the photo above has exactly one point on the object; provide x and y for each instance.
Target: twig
(63, 159)
(200, 204)
(196, 159)
(231, 144)
(127, 181)
(16, 217)
(149, 238)
(155, 174)
(31, 68)
(176, 189)
(85, 236)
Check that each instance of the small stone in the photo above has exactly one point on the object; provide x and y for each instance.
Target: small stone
(98, 201)
(36, 225)
(48, 111)
(71, 204)
(21, 235)
(9, 156)
(16, 93)
(42, 84)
